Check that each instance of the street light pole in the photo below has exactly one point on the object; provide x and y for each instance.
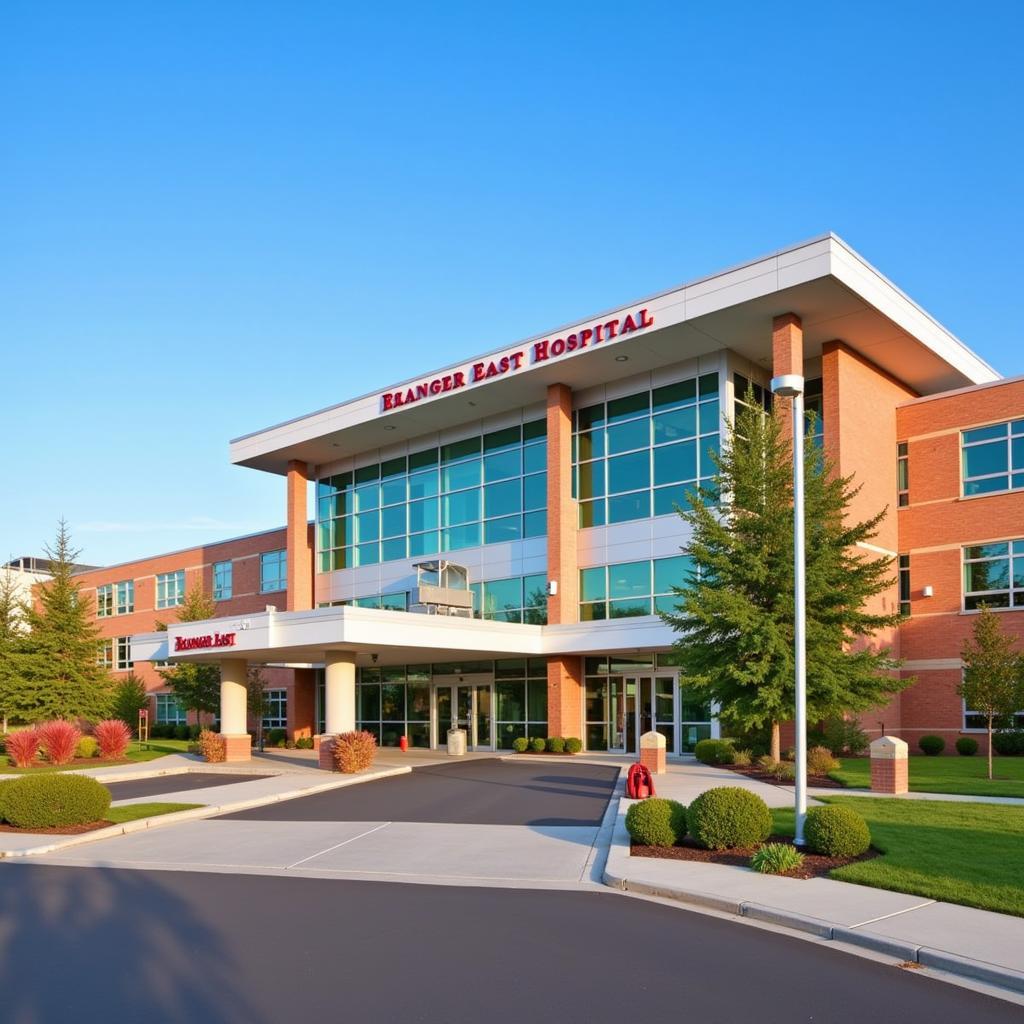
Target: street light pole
(791, 385)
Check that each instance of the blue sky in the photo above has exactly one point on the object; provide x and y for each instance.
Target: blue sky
(214, 217)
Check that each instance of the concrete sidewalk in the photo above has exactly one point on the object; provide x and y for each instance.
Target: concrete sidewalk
(975, 944)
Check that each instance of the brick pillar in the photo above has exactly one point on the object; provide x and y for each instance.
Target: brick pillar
(300, 552)
(652, 752)
(234, 710)
(787, 357)
(565, 696)
(889, 770)
(302, 710)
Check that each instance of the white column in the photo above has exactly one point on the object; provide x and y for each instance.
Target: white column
(233, 711)
(339, 692)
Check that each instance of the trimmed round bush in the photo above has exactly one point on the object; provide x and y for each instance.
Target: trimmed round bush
(1009, 743)
(727, 817)
(556, 745)
(656, 822)
(573, 744)
(966, 746)
(87, 747)
(50, 801)
(537, 745)
(836, 832)
(714, 751)
(520, 744)
(932, 746)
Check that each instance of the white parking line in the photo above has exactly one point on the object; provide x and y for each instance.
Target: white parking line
(337, 846)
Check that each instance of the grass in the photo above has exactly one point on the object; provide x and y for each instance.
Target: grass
(964, 775)
(958, 852)
(132, 812)
(136, 754)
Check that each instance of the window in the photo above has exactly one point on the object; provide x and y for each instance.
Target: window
(125, 597)
(520, 700)
(993, 458)
(976, 720)
(518, 599)
(123, 661)
(170, 589)
(904, 573)
(115, 599)
(814, 403)
(633, 588)
(638, 456)
(273, 571)
(169, 711)
(395, 701)
(105, 601)
(994, 575)
(223, 577)
(105, 654)
(398, 602)
(902, 475)
(277, 709)
(480, 490)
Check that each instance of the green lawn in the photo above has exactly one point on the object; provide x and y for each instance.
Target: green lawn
(958, 852)
(132, 812)
(965, 775)
(136, 753)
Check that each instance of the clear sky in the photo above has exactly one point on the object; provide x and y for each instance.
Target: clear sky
(216, 216)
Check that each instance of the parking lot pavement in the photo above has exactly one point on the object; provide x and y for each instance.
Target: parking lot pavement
(479, 792)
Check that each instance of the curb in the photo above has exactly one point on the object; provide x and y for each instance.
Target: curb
(926, 956)
(196, 813)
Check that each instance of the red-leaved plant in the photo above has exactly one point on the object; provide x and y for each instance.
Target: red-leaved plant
(113, 737)
(59, 741)
(354, 751)
(23, 747)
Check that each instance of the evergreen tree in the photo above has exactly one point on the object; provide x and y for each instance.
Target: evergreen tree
(11, 628)
(735, 612)
(130, 697)
(993, 679)
(196, 685)
(55, 663)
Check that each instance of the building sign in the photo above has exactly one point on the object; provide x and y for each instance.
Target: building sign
(538, 352)
(192, 643)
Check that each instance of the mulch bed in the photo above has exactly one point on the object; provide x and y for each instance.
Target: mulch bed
(814, 865)
(59, 830)
(753, 772)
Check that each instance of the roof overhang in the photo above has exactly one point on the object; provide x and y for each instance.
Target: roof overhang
(837, 294)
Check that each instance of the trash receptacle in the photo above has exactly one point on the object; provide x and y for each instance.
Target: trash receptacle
(457, 741)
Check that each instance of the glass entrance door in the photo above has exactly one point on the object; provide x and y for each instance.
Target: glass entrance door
(465, 703)
(649, 703)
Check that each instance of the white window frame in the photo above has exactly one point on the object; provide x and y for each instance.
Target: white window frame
(168, 595)
(105, 653)
(165, 700)
(1015, 548)
(104, 600)
(226, 568)
(124, 597)
(281, 557)
(1014, 428)
(123, 661)
(277, 708)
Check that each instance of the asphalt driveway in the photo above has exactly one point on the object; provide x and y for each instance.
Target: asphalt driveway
(478, 792)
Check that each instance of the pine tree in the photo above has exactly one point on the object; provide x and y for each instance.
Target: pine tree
(55, 662)
(196, 685)
(735, 612)
(993, 678)
(12, 616)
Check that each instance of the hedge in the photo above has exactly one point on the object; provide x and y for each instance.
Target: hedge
(50, 801)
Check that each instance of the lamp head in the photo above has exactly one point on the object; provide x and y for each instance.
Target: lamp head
(789, 385)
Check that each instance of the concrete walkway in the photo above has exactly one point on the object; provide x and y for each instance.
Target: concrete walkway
(971, 943)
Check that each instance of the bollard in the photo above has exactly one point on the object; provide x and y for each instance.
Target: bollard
(889, 772)
(652, 752)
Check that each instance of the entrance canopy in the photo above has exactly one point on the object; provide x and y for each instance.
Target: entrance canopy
(385, 637)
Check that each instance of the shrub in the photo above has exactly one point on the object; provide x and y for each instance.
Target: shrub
(276, 737)
(59, 740)
(48, 801)
(932, 746)
(304, 743)
(354, 751)
(820, 761)
(113, 737)
(573, 744)
(1009, 743)
(129, 699)
(836, 832)
(767, 763)
(194, 730)
(23, 747)
(182, 732)
(556, 745)
(842, 737)
(87, 747)
(742, 758)
(537, 745)
(966, 746)
(656, 822)
(520, 744)
(776, 859)
(211, 746)
(714, 751)
(789, 754)
(726, 817)
(785, 771)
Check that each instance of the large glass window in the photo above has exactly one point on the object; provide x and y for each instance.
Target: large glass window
(223, 580)
(994, 575)
(637, 456)
(633, 588)
(277, 709)
(481, 490)
(105, 653)
(123, 658)
(170, 589)
(521, 700)
(993, 457)
(518, 599)
(115, 599)
(273, 571)
(105, 601)
(169, 711)
(395, 701)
